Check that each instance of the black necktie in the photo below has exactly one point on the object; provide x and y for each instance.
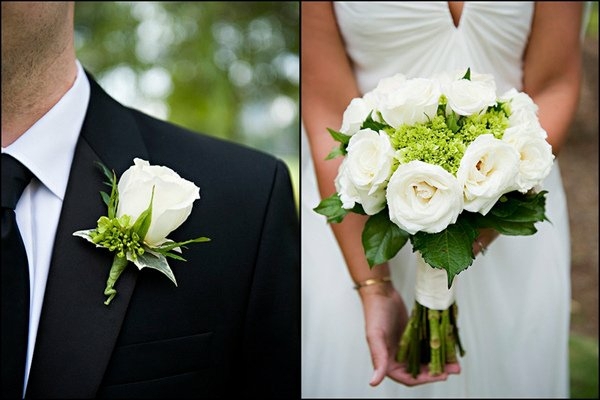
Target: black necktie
(15, 281)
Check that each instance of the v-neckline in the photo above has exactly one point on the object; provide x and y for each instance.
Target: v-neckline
(459, 18)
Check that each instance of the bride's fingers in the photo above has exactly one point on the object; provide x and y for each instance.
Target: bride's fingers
(399, 374)
(453, 368)
(379, 356)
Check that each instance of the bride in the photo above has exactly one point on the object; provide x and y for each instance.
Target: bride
(514, 300)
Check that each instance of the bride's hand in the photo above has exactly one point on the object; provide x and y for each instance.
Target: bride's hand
(484, 239)
(385, 318)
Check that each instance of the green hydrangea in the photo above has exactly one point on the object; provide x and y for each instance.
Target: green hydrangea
(443, 139)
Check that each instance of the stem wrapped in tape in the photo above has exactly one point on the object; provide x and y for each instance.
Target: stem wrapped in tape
(431, 335)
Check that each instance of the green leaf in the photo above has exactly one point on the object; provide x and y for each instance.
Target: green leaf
(174, 256)
(142, 223)
(107, 173)
(331, 207)
(467, 75)
(381, 238)
(113, 201)
(339, 137)
(155, 261)
(514, 214)
(337, 152)
(164, 248)
(86, 234)
(516, 206)
(450, 249)
(105, 198)
(370, 123)
(452, 122)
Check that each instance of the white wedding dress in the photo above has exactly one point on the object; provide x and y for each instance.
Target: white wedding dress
(513, 301)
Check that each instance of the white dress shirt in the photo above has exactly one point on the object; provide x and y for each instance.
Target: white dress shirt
(47, 149)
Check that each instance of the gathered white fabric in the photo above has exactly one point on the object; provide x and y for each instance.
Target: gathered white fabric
(431, 288)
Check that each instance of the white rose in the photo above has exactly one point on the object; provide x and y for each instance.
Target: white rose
(354, 116)
(415, 100)
(487, 170)
(172, 203)
(369, 159)
(535, 155)
(522, 109)
(345, 188)
(468, 97)
(350, 194)
(531, 128)
(519, 101)
(384, 88)
(423, 197)
(390, 84)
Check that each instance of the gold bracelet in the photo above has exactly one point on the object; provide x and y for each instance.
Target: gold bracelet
(372, 281)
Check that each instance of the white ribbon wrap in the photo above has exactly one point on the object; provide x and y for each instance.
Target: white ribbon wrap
(432, 286)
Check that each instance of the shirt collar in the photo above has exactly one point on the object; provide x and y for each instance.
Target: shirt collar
(48, 147)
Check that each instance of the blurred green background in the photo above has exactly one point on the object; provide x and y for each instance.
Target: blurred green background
(228, 69)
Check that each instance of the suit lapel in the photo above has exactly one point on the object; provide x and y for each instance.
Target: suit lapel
(77, 332)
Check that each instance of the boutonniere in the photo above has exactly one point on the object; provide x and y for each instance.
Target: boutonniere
(146, 204)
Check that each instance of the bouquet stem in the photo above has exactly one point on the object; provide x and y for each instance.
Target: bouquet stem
(430, 337)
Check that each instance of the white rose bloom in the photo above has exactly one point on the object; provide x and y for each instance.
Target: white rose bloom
(384, 88)
(345, 188)
(372, 202)
(350, 194)
(531, 128)
(172, 202)
(415, 100)
(354, 116)
(369, 159)
(535, 155)
(523, 109)
(378, 96)
(468, 97)
(423, 197)
(487, 170)
(520, 101)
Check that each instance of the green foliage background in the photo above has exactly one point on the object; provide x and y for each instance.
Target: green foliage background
(228, 69)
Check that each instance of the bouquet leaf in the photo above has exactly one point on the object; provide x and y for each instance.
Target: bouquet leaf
(339, 137)
(467, 75)
(341, 149)
(514, 214)
(382, 239)
(370, 123)
(336, 152)
(450, 249)
(331, 207)
(452, 122)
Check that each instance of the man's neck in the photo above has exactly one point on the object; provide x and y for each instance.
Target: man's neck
(25, 99)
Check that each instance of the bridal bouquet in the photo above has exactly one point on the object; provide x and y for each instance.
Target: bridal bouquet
(432, 161)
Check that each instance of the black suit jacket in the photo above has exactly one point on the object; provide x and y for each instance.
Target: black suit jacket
(230, 328)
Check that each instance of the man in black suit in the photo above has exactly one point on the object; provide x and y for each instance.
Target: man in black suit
(230, 327)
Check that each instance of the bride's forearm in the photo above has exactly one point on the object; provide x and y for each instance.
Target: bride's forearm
(326, 92)
(552, 74)
(348, 234)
